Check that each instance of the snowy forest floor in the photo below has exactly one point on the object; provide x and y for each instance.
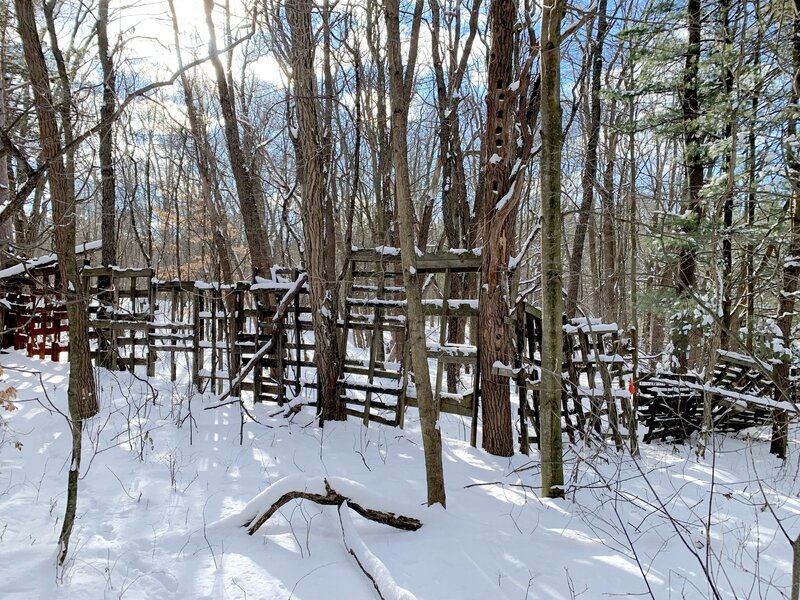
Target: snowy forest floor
(156, 481)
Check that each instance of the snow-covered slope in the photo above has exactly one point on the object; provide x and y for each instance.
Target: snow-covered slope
(158, 505)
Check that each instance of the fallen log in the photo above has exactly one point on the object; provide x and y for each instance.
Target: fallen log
(334, 498)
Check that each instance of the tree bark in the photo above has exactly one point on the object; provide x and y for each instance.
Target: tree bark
(501, 197)
(106, 139)
(219, 222)
(428, 408)
(791, 261)
(728, 169)
(6, 227)
(552, 300)
(252, 209)
(81, 394)
(686, 342)
(589, 176)
(609, 289)
(310, 174)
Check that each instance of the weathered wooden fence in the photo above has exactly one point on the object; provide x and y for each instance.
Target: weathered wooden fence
(256, 338)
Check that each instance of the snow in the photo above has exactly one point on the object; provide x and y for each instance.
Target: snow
(389, 590)
(387, 250)
(47, 259)
(452, 304)
(502, 202)
(165, 487)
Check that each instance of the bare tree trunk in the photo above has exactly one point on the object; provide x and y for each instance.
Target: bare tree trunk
(501, 198)
(693, 157)
(428, 409)
(609, 290)
(81, 394)
(107, 183)
(791, 265)
(219, 223)
(252, 209)
(589, 175)
(750, 205)
(7, 226)
(106, 135)
(634, 283)
(308, 152)
(455, 208)
(552, 300)
(728, 169)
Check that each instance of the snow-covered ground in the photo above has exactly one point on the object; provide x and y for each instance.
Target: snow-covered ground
(163, 493)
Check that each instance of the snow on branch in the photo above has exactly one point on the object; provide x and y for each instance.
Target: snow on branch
(514, 261)
(319, 489)
(312, 489)
(369, 564)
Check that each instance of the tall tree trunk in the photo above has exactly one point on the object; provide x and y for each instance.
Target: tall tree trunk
(728, 169)
(428, 409)
(82, 399)
(791, 263)
(106, 135)
(750, 206)
(7, 226)
(383, 197)
(455, 208)
(249, 202)
(308, 152)
(219, 223)
(589, 175)
(552, 300)
(108, 206)
(686, 342)
(609, 290)
(634, 283)
(501, 198)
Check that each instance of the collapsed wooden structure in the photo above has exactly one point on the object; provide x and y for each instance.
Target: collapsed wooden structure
(256, 339)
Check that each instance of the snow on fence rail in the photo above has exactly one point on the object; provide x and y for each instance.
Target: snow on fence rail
(256, 338)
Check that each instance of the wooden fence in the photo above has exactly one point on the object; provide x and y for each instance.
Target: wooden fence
(256, 338)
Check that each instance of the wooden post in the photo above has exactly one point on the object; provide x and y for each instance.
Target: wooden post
(236, 336)
(197, 360)
(213, 340)
(298, 334)
(111, 316)
(377, 315)
(258, 371)
(633, 426)
(174, 334)
(131, 333)
(567, 355)
(280, 332)
(55, 345)
(605, 375)
(476, 394)
(522, 390)
(443, 322)
(151, 354)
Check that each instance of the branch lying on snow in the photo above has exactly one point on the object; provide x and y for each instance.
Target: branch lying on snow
(370, 564)
(320, 490)
(333, 498)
